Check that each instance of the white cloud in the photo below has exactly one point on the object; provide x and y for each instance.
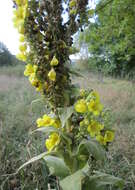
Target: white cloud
(8, 34)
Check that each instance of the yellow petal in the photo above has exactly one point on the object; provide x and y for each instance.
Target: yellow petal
(81, 106)
(54, 61)
(23, 47)
(52, 75)
(22, 38)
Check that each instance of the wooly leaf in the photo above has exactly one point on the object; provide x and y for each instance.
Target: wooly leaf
(92, 147)
(65, 113)
(57, 166)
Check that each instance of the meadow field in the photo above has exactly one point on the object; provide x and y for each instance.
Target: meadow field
(20, 106)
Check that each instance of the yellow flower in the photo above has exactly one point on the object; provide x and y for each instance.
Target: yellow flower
(95, 107)
(23, 47)
(81, 106)
(48, 121)
(24, 2)
(15, 22)
(18, 2)
(22, 39)
(53, 141)
(40, 122)
(52, 75)
(94, 128)
(72, 3)
(21, 28)
(101, 139)
(20, 13)
(95, 95)
(28, 70)
(45, 121)
(101, 126)
(109, 136)
(33, 80)
(18, 23)
(48, 144)
(40, 87)
(21, 56)
(15, 13)
(54, 61)
(21, 2)
(73, 12)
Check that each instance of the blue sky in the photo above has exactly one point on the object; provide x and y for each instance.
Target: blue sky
(8, 34)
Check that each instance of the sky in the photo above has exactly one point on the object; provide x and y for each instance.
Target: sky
(8, 34)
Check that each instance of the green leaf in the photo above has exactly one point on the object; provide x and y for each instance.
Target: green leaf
(75, 91)
(65, 113)
(81, 180)
(35, 101)
(34, 159)
(74, 181)
(91, 12)
(57, 166)
(100, 180)
(88, 185)
(92, 147)
(66, 138)
(106, 179)
(46, 130)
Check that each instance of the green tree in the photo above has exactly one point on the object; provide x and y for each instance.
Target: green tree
(6, 58)
(111, 37)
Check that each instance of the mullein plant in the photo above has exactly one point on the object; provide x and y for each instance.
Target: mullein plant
(78, 128)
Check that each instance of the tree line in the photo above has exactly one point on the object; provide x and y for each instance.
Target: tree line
(6, 58)
(110, 37)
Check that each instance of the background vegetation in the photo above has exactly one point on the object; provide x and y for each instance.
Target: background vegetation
(6, 58)
(110, 37)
